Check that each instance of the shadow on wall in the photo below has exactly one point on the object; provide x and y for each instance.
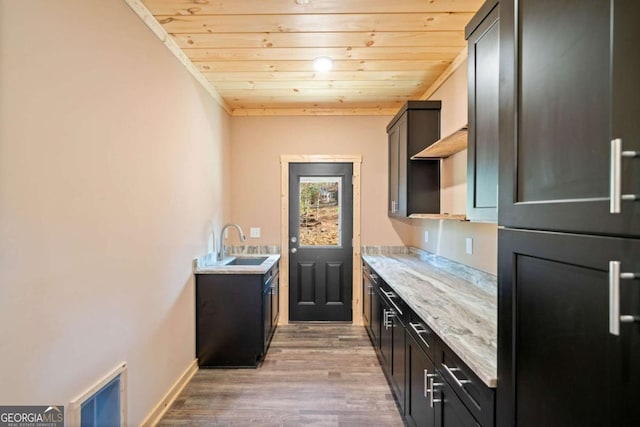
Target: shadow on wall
(403, 228)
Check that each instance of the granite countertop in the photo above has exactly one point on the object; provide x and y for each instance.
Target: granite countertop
(207, 264)
(456, 301)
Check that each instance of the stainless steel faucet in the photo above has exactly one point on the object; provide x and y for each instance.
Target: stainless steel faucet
(221, 249)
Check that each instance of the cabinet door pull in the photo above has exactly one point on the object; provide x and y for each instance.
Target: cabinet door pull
(451, 371)
(432, 390)
(426, 382)
(614, 297)
(615, 176)
(387, 315)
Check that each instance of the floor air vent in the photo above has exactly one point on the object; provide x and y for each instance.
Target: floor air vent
(103, 404)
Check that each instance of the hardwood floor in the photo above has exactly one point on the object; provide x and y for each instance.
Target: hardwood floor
(317, 375)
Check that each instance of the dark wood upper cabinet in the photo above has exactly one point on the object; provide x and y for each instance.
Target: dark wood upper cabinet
(483, 36)
(568, 87)
(414, 185)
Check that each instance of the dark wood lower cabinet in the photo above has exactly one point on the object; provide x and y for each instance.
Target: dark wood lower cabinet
(558, 363)
(376, 319)
(236, 316)
(405, 345)
(419, 410)
(367, 288)
(450, 411)
(398, 369)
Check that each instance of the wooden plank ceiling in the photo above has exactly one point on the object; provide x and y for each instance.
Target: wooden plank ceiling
(258, 54)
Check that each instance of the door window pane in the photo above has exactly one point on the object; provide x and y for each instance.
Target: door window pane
(320, 221)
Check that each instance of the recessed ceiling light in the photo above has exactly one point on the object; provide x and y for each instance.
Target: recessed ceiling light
(322, 63)
(302, 1)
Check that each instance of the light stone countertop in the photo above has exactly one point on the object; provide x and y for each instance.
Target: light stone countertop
(456, 301)
(207, 264)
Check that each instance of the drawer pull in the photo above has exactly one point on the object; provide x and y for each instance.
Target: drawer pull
(458, 381)
(420, 331)
(391, 296)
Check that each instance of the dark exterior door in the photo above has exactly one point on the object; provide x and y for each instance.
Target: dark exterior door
(558, 362)
(564, 96)
(320, 241)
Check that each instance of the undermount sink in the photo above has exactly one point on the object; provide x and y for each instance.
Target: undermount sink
(247, 260)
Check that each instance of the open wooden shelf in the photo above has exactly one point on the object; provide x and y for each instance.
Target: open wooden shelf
(446, 146)
(457, 217)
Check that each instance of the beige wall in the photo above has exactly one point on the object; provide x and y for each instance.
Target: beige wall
(113, 169)
(447, 238)
(258, 142)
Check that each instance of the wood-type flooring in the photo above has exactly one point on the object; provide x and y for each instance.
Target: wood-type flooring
(313, 375)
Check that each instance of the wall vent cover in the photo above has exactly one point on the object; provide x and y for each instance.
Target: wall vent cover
(104, 403)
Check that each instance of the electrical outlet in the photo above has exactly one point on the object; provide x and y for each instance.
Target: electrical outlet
(426, 237)
(254, 232)
(469, 246)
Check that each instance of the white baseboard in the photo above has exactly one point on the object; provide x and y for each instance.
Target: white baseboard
(161, 408)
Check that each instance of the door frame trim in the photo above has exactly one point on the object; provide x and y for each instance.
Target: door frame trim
(356, 161)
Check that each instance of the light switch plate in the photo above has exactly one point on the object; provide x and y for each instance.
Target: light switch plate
(426, 237)
(469, 244)
(254, 232)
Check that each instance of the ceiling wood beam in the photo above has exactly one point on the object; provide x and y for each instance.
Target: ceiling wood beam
(322, 39)
(308, 54)
(386, 76)
(259, 7)
(314, 23)
(360, 66)
(315, 111)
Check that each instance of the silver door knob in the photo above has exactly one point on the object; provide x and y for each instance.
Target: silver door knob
(294, 250)
(293, 239)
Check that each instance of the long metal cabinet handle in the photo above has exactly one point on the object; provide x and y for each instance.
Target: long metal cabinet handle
(458, 381)
(615, 177)
(426, 382)
(391, 296)
(387, 318)
(432, 390)
(614, 298)
(420, 331)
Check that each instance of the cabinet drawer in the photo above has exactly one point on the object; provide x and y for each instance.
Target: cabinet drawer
(453, 412)
(422, 333)
(477, 397)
